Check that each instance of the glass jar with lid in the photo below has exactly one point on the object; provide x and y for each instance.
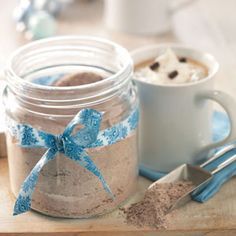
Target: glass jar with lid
(33, 100)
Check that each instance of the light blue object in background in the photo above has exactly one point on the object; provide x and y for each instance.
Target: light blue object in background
(41, 25)
(221, 128)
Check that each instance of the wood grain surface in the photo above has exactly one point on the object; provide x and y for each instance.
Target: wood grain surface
(217, 217)
(210, 31)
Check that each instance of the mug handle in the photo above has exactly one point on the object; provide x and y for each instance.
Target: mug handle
(229, 105)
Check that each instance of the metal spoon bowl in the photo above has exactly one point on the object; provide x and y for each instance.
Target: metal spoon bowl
(196, 174)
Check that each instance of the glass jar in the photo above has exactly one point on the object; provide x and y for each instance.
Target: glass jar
(64, 188)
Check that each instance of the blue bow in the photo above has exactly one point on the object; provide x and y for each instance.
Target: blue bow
(71, 145)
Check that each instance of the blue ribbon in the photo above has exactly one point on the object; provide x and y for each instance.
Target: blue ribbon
(71, 145)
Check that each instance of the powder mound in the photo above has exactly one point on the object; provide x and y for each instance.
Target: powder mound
(152, 209)
(78, 79)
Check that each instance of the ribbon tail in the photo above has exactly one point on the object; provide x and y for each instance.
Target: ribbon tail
(23, 202)
(85, 161)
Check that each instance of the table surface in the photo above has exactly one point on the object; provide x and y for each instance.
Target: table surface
(217, 217)
(211, 30)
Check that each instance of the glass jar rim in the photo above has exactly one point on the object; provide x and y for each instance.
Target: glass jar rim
(124, 72)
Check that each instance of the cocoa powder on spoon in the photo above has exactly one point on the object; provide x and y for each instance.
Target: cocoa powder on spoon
(152, 210)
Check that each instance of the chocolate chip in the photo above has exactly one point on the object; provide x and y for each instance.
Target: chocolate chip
(173, 74)
(183, 59)
(155, 65)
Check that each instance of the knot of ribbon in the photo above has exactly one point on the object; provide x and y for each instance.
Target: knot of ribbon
(72, 143)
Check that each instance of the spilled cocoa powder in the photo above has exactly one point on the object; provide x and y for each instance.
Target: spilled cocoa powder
(152, 210)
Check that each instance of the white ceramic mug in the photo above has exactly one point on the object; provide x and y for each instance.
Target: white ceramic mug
(175, 124)
(141, 16)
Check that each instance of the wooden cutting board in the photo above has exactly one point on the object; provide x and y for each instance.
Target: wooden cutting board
(217, 217)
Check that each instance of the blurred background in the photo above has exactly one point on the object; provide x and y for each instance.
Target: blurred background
(205, 24)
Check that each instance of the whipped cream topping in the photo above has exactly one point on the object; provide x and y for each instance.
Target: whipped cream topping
(168, 68)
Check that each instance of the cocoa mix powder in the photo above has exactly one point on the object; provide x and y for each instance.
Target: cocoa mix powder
(153, 208)
(64, 188)
(78, 79)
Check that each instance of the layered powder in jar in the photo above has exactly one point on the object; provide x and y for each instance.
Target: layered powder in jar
(64, 188)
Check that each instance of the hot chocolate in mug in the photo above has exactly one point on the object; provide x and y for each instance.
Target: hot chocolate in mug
(176, 119)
